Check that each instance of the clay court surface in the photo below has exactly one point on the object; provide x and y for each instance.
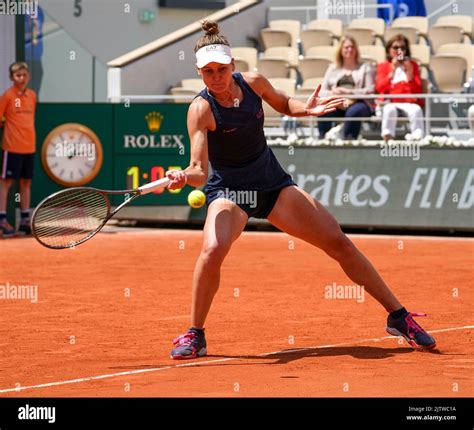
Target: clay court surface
(108, 310)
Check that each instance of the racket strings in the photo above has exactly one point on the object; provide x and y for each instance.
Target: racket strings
(70, 217)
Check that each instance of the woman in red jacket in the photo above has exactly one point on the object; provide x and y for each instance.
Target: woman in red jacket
(400, 75)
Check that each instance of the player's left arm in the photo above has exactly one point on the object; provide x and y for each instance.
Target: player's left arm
(281, 102)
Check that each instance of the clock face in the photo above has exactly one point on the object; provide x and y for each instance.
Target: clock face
(72, 155)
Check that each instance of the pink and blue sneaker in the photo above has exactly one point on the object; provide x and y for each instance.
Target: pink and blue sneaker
(407, 327)
(189, 345)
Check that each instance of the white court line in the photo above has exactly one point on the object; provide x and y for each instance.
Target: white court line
(200, 363)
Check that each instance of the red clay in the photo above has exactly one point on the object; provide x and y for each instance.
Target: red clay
(115, 303)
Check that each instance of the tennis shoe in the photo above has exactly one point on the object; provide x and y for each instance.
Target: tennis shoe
(189, 345)
(407, 327)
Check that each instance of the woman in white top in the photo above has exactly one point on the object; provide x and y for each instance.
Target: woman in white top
(348, 76)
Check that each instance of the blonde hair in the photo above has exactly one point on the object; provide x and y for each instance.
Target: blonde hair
(339, 59)
(19, 65)
(212, 36)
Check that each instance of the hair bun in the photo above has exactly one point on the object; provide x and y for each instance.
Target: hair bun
(210, 27)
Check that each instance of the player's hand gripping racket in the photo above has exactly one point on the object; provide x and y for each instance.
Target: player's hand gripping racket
(70, 217)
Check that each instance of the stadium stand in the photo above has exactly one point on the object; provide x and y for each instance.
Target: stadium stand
(295, 54)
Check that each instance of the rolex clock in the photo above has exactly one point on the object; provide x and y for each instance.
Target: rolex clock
(72, 155)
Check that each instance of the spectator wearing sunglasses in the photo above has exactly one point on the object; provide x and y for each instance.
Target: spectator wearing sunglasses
(400, 75)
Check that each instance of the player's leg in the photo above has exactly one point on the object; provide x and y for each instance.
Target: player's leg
(225, 222)
(299, 215)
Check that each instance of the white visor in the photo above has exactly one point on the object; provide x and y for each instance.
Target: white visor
(213, 54)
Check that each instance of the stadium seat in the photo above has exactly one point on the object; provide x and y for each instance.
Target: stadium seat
(328, 52)
(195, 84)
(310, 38)
(463, 21)
(421, 53)
(248, 54)
(449, 72)
(273, 67)
(272, 117)
(332, 25)
(377, 25)
(179, 91)
(420, 23)
(363, 36)
(313, 68)
(375, 53)
(293, 26)
(241, 65)
(412, 34)
(442, 34)
(288, 53)
(271, 37)
(308, 86)
(464, 50)
(286, 85)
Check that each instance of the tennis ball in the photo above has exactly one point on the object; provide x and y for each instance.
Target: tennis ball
(196, 199)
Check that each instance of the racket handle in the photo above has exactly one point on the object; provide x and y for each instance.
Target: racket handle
(152, 186)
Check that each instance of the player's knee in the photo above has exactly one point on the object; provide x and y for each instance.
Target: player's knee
(214, 253)
(340, 247)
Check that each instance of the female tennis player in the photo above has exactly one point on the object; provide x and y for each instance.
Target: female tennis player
(225, 125)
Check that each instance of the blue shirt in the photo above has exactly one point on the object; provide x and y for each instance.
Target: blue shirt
(401, 9)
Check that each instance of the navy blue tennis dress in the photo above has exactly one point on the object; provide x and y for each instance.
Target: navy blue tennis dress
(240, 157)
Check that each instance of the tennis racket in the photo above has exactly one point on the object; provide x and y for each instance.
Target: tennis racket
(70, 217)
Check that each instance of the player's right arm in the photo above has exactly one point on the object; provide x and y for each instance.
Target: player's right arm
(200, 120)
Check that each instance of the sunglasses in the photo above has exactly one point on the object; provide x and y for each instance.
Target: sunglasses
(398, 47)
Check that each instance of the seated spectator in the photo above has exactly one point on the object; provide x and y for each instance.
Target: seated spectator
(348, 76)
(400, 75)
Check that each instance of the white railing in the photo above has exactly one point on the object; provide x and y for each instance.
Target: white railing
(428, 118)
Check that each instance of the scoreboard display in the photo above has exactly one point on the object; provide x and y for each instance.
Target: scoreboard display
(149, 140)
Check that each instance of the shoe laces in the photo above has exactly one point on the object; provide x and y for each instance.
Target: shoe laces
(185, 339)
(412, 325)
